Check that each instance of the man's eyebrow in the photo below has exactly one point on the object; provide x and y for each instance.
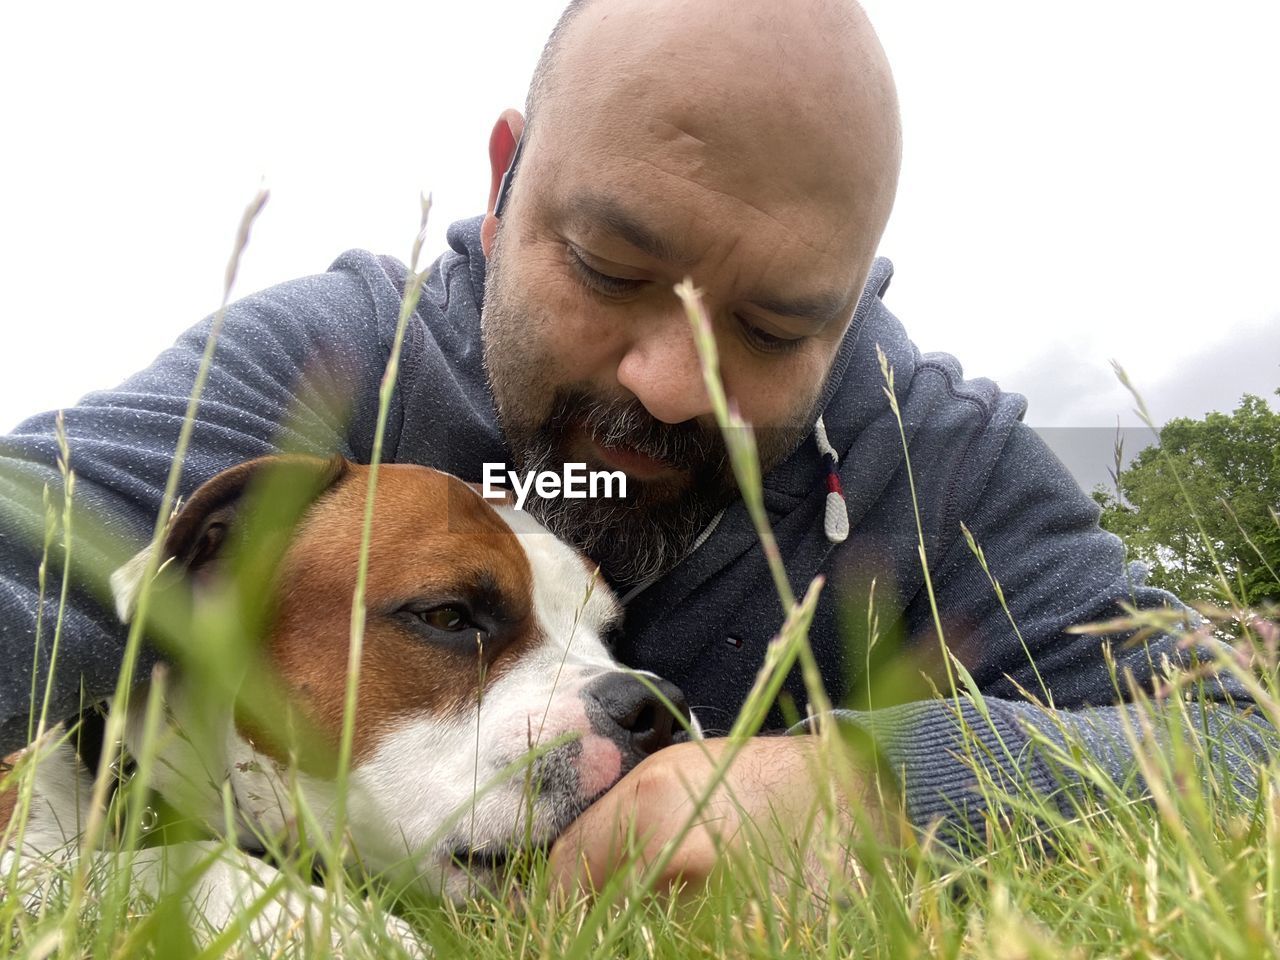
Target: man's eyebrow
(606, 213)
(821, 308)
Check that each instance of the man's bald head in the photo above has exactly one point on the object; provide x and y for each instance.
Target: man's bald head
(821, 52)
(542, 73)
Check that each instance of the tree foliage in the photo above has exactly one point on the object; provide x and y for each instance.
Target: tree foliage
(1219, 475)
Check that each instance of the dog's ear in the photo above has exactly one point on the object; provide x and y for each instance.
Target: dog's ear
(505, 497)
(198, 533)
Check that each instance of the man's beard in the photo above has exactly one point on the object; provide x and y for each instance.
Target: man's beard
(645, 534)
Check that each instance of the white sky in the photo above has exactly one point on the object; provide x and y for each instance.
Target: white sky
(1082, 181)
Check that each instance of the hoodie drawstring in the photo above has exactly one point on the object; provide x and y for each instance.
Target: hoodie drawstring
(836, 521)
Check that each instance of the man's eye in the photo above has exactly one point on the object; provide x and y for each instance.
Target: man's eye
(767, 342)
(602, 282)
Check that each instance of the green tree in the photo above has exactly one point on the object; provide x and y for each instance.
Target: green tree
(1229, 466)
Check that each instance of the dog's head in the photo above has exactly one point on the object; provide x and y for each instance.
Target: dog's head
(490, 712)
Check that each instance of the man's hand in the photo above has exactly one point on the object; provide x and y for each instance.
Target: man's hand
(768, 803)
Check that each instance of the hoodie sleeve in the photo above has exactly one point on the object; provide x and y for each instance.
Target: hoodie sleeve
(1057, 568)
(296, 368)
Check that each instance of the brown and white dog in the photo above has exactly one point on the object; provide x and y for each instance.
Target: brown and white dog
(483, 642)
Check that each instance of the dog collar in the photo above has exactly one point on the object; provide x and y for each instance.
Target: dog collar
(159, 822)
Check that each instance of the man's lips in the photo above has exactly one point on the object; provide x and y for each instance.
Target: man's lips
(583, 446)
(632, 462)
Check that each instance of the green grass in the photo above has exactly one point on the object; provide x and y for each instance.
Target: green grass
(1192, 872)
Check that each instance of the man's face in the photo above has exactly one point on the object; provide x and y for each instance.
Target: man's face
(589, 352)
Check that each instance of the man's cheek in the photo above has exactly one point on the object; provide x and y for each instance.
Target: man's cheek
(775, 403)
(555, 317)
(581, 347)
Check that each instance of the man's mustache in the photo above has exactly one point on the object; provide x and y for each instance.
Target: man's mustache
(626, 423)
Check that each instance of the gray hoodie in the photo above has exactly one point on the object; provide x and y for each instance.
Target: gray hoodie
(286, 353)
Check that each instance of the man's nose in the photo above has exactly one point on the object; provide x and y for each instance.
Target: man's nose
(627, 710)
(661, 369)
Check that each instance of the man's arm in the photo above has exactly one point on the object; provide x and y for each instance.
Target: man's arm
(296, 368)
(1057, 569)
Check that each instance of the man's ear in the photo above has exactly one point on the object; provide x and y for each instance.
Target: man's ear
(198, 534)
(502, 149)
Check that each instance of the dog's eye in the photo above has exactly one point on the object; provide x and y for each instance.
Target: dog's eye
(449, 617)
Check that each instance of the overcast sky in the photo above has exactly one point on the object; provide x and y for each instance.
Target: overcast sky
(1081, 181)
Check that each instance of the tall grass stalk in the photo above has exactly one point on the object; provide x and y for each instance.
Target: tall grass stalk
(39, 735)
(359, 611)
(92, 835)
(1145, 415)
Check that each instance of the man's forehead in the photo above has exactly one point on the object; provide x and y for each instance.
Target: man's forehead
(785, 210)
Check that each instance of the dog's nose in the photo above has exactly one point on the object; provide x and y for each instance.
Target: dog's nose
(626, 709)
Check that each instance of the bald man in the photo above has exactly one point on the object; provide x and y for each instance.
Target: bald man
(754, 147)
